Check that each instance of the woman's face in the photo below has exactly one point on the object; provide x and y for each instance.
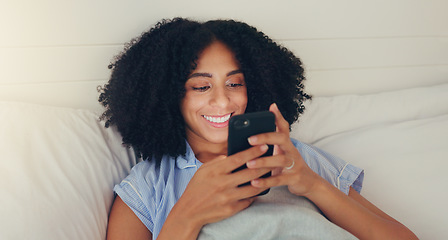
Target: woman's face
(215, 90)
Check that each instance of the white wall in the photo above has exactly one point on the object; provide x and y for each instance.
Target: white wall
(57, 52)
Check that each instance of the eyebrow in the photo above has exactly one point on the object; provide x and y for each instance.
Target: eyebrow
(234, 72)
(209, 75)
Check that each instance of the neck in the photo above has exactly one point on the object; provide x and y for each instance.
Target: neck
(206, 151)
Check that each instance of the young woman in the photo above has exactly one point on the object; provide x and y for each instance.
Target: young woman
(171, 94)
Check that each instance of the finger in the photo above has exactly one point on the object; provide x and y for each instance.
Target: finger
(277, 150)
(273, 181)
(229, 207)
(276, 161)
(247, 192)
(277, 171)
(246, 175)
(243, 203)
(280, 122)
(238, 159)
(272, 138)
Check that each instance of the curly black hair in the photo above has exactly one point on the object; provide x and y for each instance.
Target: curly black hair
(147, 82)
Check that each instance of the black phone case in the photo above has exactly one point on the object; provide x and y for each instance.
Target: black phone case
(241, 127)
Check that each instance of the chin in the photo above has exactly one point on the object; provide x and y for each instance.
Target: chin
(217, 138)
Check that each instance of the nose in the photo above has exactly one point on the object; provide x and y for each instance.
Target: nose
(220, 98)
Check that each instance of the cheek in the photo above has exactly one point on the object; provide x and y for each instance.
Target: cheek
(190, 104)
(241, 99)
(185, 106)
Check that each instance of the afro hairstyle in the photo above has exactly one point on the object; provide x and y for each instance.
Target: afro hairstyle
(142, 96)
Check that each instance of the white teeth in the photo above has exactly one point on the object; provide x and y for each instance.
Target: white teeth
(217, 119)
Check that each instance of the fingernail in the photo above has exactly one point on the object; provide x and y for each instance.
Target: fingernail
(252, 140)
(264, 147)
(250, 163)
(255, 182)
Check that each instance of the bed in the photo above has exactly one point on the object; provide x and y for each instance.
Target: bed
(60, 164)
(378, 74)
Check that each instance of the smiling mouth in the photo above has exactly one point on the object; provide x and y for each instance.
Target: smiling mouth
(221, 119)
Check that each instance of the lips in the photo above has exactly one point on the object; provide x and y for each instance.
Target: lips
(217, 119)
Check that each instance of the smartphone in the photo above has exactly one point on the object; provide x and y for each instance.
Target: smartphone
(241, 127)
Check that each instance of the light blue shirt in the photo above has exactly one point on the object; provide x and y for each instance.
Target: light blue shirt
(152, 188)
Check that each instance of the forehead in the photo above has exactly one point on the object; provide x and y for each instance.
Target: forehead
(216, 54)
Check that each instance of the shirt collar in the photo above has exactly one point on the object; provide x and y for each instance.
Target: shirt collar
(189, 160)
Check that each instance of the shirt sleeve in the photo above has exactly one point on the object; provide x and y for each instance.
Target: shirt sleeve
(134, 194)
(336, 171)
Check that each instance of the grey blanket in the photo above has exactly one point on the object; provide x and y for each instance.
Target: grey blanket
(278, 215)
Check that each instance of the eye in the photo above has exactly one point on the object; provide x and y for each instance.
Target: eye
(235, 85)
(235, 82)
(201, 89)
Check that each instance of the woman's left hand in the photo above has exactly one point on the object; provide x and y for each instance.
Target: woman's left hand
(291, 170)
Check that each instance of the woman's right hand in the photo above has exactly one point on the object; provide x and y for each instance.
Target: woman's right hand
(213, 194)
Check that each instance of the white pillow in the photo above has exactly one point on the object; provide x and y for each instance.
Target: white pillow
(325, 116)
(58, 167)
(400, 138)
